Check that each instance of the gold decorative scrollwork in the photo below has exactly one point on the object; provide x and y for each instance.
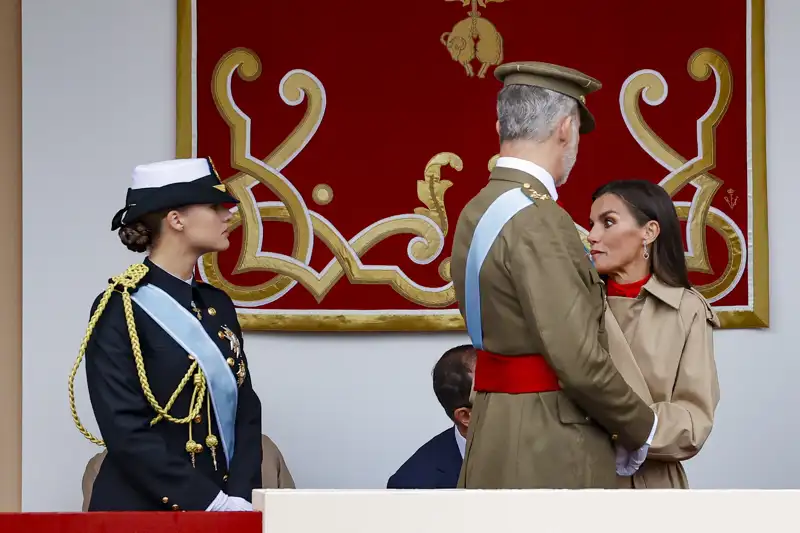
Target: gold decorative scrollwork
(428, 225)
(651, 87)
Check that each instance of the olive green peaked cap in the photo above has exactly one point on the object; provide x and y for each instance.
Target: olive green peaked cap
(564, 80)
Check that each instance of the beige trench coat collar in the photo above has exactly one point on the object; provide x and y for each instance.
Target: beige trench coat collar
(618, 346)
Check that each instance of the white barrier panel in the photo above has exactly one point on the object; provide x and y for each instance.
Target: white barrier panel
(537, 511)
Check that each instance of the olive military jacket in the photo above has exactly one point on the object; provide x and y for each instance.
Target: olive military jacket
(540, 294)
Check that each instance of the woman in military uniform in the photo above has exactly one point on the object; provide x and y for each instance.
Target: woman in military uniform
(166, 372)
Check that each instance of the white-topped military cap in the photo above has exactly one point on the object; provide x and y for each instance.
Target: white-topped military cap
(169, 185)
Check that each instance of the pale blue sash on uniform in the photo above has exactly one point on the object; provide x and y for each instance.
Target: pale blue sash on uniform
(187, 331)
(489, 226)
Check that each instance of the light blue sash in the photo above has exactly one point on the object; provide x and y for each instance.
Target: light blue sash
(187, 331)
(489, 226)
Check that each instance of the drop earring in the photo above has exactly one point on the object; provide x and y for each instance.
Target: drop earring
(646, 254)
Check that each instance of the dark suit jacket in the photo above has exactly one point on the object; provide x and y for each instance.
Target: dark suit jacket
(147, 467)
(436, 465)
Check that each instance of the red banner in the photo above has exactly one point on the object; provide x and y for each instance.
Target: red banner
(353, 134)
(131, 522)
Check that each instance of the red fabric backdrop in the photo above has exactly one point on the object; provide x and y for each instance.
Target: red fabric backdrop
(395, 98)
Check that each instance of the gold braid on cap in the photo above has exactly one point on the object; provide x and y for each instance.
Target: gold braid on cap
(126, 281)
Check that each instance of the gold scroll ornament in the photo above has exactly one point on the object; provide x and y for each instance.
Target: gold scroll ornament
(429, 225)
(699, 214)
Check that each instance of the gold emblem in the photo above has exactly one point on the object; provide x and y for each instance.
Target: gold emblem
(731, 200)
(236, 348)
(241, 373)
(197, 312)
(530, 193)
(474, 37)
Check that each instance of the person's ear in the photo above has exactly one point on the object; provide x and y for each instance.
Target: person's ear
(564, 131)
(174, 220)
(462, 416)
(651, 231)
(497, 127)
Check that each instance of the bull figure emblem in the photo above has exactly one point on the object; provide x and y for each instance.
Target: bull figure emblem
(474, 37)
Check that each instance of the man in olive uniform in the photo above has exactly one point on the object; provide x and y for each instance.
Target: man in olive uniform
(549, 406)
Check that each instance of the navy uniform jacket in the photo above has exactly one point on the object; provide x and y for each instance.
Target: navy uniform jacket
(148, 468)
(436, 465)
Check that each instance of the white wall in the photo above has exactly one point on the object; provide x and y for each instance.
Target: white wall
(346, 410)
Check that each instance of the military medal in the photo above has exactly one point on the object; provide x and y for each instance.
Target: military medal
(241, 373)
(236, 348)
(197, 311)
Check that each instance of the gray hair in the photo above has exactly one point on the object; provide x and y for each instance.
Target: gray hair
(532, 113)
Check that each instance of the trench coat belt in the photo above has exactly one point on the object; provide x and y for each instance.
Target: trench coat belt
(513, 374)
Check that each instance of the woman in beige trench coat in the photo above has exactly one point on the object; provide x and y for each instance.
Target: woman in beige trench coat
(659, 327)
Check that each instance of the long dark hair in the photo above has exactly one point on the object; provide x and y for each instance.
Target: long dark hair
(647, 201)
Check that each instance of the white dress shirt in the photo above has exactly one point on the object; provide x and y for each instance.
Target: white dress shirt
(460, 441)
(533, 169)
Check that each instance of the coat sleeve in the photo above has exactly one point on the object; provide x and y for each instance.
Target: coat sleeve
(123, 415)
(244, 474)
(685, 422)
(274, 472)
(557, 306)
(89, 475)
(285, 479)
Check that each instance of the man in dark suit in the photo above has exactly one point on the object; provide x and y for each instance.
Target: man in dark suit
(437, 464)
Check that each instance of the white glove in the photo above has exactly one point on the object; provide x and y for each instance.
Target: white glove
(237, 504)
(223, 502)
(628, 463)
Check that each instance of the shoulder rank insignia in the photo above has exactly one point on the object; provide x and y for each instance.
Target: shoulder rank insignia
(532, 194)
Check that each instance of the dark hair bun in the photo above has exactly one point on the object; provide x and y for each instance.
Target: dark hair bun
(135, 237)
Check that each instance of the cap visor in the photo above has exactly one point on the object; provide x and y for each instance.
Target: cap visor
(587, 119)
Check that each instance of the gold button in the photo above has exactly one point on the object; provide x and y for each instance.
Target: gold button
(175, 507)
(614, 436)
(212, 311)
(220, 335)
(165, 500)
(197, 420)
(225, 477)
(191, 357)
(583, 99)
(231, 362)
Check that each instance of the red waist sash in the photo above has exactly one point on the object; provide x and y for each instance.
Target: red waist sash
(518, 374)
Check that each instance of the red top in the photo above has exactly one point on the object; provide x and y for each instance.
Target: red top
(626, 290)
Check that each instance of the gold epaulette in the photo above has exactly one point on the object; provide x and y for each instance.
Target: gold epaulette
(129, 279)
(124, 283)
(532, 194)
